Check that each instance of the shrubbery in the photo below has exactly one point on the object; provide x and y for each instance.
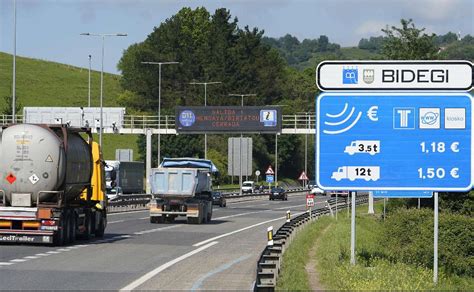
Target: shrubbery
(408, 237)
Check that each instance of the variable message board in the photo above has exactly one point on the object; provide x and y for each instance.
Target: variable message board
(384, 141)
(228, 119)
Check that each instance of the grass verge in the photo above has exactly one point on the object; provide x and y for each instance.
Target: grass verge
(373, 271)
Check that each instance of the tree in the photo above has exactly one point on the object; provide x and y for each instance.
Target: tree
(408, 43)
(7, 109)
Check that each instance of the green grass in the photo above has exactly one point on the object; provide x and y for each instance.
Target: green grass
(293, 274)
(373, 270)
(44, 83)
(111, 142)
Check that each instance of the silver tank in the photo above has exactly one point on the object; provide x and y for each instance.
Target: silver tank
(33, 159)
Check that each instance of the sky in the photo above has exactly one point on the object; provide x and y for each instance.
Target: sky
(50, 29)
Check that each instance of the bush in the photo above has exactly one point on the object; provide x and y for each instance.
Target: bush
(409, 239)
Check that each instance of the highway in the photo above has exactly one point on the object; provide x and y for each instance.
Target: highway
(135, 254)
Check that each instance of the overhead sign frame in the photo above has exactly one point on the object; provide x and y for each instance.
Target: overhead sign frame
(365, 75)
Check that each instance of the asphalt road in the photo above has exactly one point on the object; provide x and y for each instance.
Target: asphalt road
(135, 254)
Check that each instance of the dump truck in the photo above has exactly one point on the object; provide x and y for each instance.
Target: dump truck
(182, 187)
(52, 187)
(126, 175)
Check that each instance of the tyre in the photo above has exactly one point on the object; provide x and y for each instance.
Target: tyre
(59, 237)
(67, 228)
(73, 228)
(99, 232)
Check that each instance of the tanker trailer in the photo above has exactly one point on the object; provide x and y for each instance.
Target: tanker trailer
(52, 187)
(182, 187)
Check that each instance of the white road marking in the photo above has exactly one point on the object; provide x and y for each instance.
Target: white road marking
(53, 252)
(118, 221)
(241, 229)
(31, 257)
(131, 212)
(155, 230)
(42, 254)
(63, 249)
(18, 261)
(163, 267)
(5, 264)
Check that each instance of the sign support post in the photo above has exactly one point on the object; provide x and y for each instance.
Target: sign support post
(435, 255)
(353, 229)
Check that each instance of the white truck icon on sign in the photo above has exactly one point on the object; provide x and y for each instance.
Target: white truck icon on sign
(363, 146)
(352, 173)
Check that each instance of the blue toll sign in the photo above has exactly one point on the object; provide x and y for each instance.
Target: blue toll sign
(394, 141)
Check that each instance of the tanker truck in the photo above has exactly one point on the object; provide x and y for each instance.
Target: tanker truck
(52, 188)
(182, 187)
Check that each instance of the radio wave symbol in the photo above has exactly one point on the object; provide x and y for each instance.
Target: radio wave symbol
(349, 116)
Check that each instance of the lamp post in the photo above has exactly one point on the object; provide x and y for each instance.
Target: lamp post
(240, 140)
(14, 65)
(205, 104)
(89, 95)
(159, 101)
(102, 35)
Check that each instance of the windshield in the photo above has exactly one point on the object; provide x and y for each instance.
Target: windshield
(247, 184)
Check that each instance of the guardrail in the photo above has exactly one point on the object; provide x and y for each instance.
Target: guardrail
(268, 266)
(125, 203)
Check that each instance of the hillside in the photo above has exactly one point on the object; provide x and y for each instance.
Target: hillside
(43, 83)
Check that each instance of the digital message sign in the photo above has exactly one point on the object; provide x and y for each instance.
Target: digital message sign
(228, 119)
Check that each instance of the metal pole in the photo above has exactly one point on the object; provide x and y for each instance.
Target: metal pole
(101, 92)
(205, 134)
(148, 160)
(276, 159)
(89, 95)
(435, 256)
(419, 203)
(336, 206)
(371, 203)
(306, 150)
(353, 230)
(240, 153)
(384, 199)
(159, 114)
(14, 65)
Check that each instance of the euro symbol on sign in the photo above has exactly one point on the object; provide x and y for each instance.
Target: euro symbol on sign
(372, 113)
(455, 147)
(455, 172)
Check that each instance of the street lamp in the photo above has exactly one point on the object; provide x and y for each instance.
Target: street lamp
(240, 141)
(205, 104)
(159, 101)
(14, 65)
(102, 35)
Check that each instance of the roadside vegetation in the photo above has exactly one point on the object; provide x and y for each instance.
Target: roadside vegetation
(395, 254)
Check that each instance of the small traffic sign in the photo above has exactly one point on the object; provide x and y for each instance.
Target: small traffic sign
(270, 170)
(270, 178)
(303, 176)
(257, 172)
(394, 141)
(309, 200)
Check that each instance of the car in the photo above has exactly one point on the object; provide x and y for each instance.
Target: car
(316, 191)
(218, 199)
(278, 193)
(247, 187)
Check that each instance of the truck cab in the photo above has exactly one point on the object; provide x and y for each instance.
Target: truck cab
(248, 187)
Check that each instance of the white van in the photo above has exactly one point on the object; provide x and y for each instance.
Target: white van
(248, 186)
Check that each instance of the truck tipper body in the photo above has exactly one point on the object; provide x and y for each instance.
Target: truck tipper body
(182, 187)
(126, 175)
(52, 188)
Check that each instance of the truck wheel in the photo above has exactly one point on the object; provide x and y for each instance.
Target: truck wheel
(208, 217)
(72, 228)
(67, 228)
(59, 236)
(99, 232)
(86, 235)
